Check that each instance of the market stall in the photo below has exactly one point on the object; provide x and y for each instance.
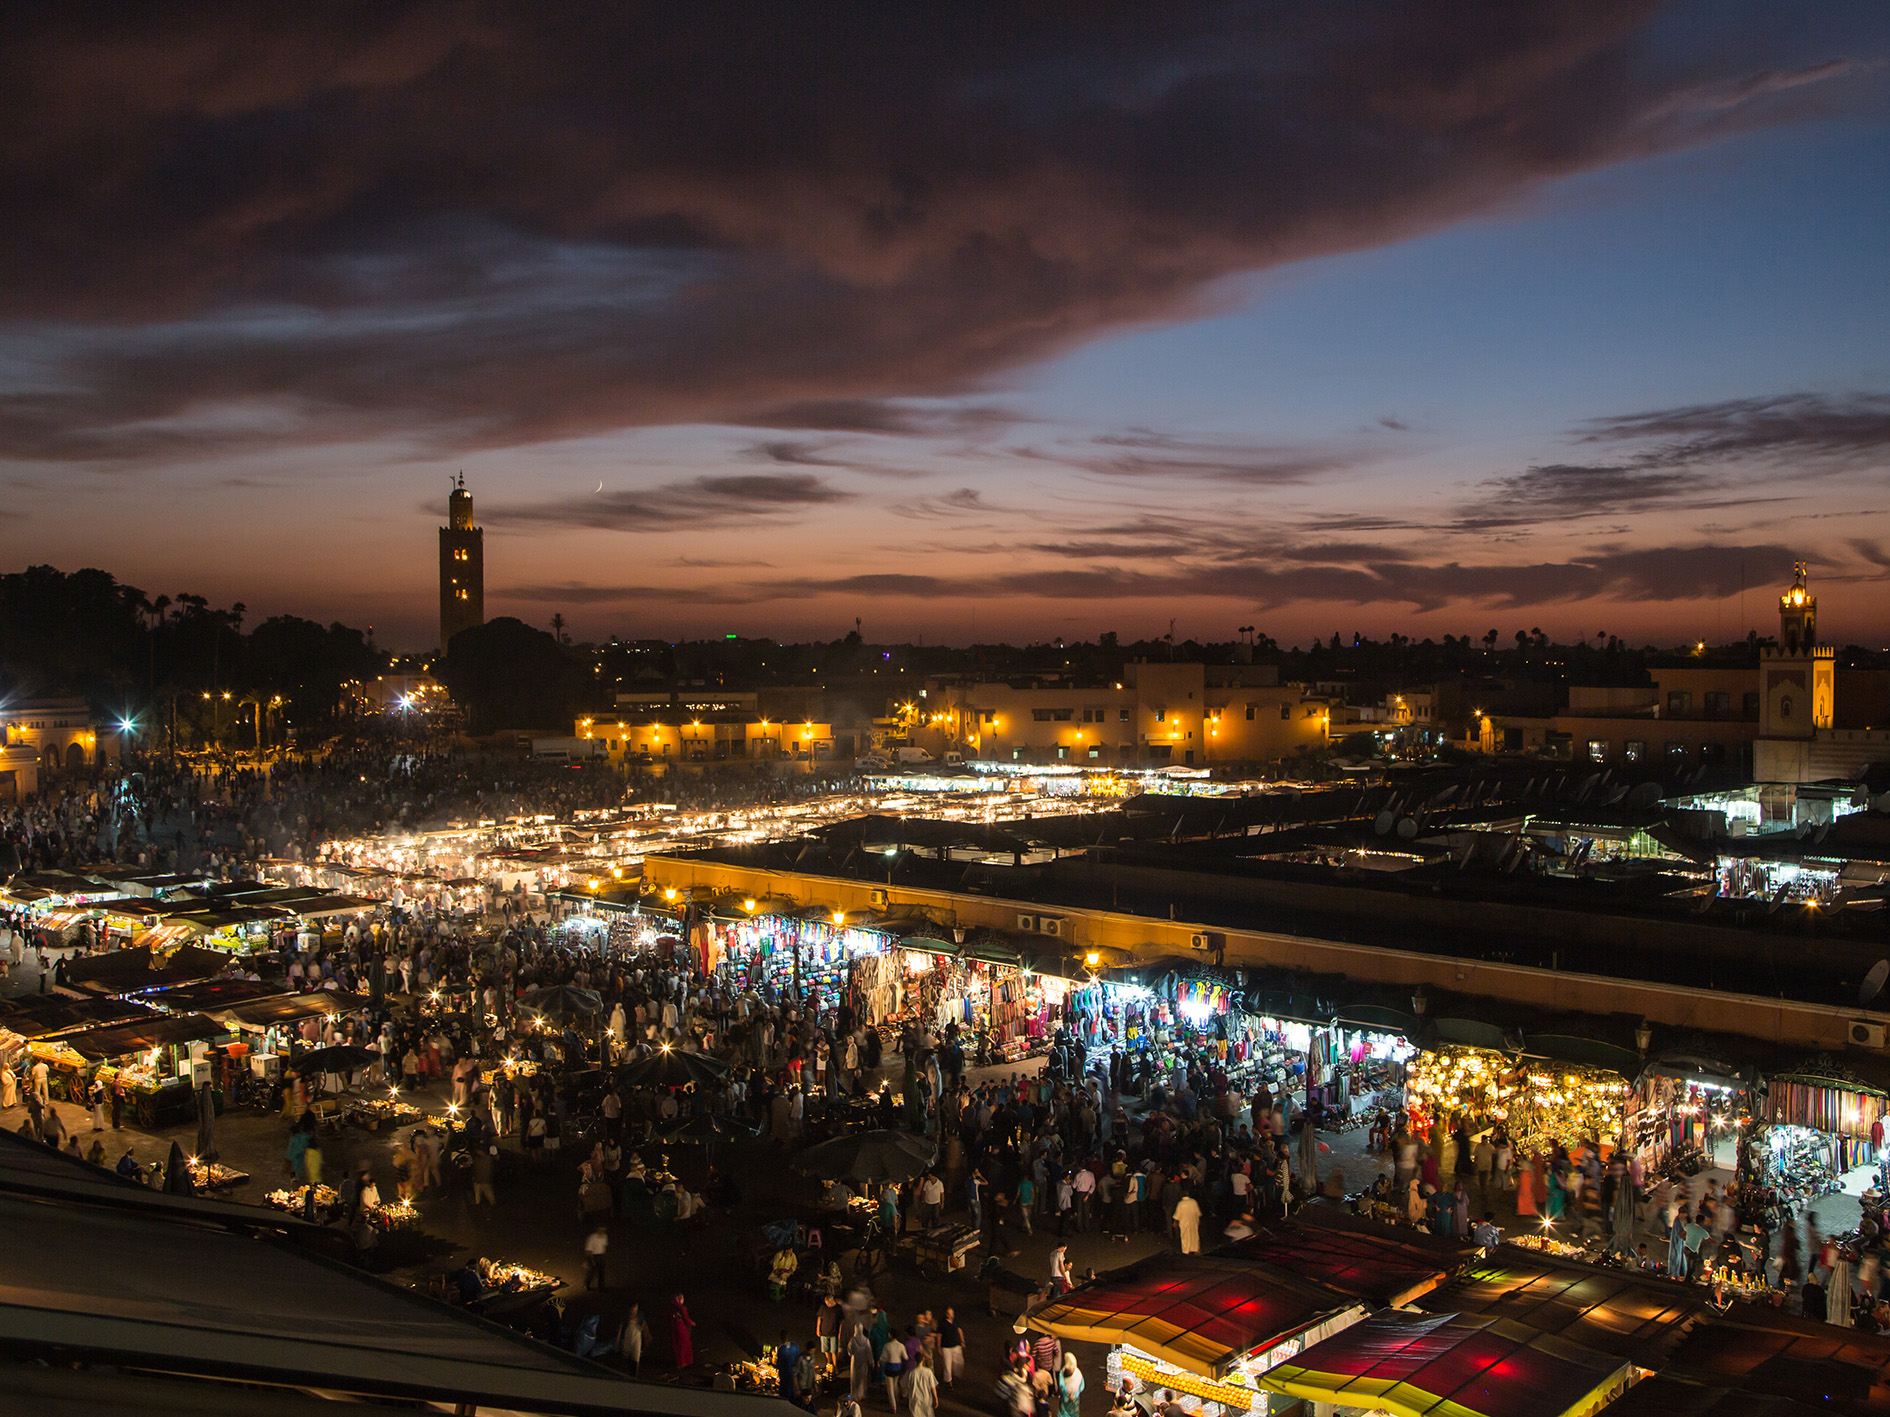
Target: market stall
(149, 1060)
(1820, 1124)
(1430, 1365)
(1685, 1113)
(1204, 1326)
(1540, 1102)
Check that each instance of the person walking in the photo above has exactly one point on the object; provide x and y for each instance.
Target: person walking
(635, 1334)
(1188, 1223)
(681, 1333)
(892, 1368)
(596, 1252)
(1069, 1389)
(951, 1349)
(861, 1362)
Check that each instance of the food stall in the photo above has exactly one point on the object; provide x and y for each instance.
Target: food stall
(150, 1060)
(1206, 1327)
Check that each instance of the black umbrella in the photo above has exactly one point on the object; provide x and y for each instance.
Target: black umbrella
(561, 1003)
(673, 1067)
(343, 1059)
(868, 1156)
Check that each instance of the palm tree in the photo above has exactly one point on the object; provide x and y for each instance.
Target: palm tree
(557, 628)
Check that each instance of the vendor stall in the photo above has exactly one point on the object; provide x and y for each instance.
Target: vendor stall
(1685, 1113)
(1540, 1102)
(1203, 1326)
(1820, 1123)
(150, 1062)
(1429, 1365)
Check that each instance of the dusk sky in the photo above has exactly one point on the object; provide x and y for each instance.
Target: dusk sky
(1418, 317)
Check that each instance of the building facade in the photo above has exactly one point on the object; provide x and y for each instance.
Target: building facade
(45, 738)
(462, 568)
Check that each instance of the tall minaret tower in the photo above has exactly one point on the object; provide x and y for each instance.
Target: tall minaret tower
(462, 568)
(1799, 678)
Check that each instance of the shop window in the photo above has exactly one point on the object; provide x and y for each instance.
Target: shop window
(1063, 751)
(1040, 715)
(1017, 754)
(1598, 750)
(1095, 750)
(1062, 715)
(1122, 716)
(1679, 703)
(1161, 715)
(1636, 750)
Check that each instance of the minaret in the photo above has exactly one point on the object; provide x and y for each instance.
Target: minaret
(462, 567)
(1798, 680)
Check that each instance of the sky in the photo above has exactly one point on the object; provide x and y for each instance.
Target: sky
(966, 322)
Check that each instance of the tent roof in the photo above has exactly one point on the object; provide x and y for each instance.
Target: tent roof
(1199, 1312)
(1373, 1263)
(1450, 1365)
(212, 993)
(1834, 1369)
(281, 1008)
(123, 1038)
(55, 1013)
(1611, 1311)
(1663, 1396)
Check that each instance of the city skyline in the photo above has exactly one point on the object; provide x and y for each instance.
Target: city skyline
(1422, 324)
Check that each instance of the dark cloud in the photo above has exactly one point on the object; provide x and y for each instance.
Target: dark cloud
(698, 504)
(1657, 575)
(885, 417)
(1776, 427)
(1141, 453)
(1566, 490)
(481, 224)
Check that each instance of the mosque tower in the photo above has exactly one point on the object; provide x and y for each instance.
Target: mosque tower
(462, 567)
(1799, 677)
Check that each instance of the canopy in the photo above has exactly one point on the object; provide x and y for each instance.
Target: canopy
(673, 1067)
(561, 1003)
(52, 1014)
(212, 993)
(125, 1038)
(1200, 1313)
(1382, 1266)
(343, 1058)
(1451, 1365)
(883, 1155)
(1611, 1311)
(1756, 1351)
(285, 1008)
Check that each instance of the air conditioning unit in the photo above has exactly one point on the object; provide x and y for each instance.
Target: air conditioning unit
(1027, 923)
(879, 899)
(1865, 1034)
(1207, 940)
(1051, 925)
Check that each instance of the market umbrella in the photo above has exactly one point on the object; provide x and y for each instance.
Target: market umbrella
(206, 1124)
(867, 1156)
(344, 1058)
(673, 1067)
(561, 1003)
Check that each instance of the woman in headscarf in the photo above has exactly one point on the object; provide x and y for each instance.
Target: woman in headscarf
(177, 1180)
(1837, 1291)
(1069, 1387)
(1528, 1186)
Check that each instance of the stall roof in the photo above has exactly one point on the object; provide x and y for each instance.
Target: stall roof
(102, 1284)
(1383, 1266)
(1663, 1396)
(1612, 1311)
(1757, 1351)
(1450, 1365)
(213, 993)
(123, 1038)
(55, 1014)
(1201, 1313)
(284, 1008)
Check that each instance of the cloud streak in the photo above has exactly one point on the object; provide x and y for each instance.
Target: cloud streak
(702, 503)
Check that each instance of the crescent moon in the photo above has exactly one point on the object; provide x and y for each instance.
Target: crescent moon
(600, 484)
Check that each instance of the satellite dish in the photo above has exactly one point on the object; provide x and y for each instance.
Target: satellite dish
(1873, 982)
(1881, 802)
(1407, 828)
(1382, 823)
(1646, 795)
